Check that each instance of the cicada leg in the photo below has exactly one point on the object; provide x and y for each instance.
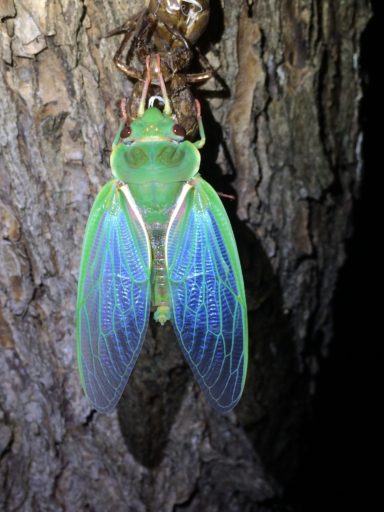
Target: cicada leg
(199, 143)
(167, 105)
(127, 26)
(123, 57)
(184, 57)
(136, 105)
(146, 85)
(207, 72)
(133, 102)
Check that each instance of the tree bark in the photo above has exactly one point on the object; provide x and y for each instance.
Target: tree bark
(286, 142)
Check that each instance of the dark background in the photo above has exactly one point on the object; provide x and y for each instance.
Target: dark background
(340, 453)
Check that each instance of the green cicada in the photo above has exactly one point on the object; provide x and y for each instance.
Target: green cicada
(158, 237)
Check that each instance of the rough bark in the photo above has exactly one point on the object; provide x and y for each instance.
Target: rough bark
(286, 142)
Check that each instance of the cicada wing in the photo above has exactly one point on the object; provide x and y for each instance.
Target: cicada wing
(207, 294)
(113, 302)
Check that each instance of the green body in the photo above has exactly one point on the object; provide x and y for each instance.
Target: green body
(155, 167)
(158, 235)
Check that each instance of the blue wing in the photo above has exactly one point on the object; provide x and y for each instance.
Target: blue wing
(113, 301)
(207, 294)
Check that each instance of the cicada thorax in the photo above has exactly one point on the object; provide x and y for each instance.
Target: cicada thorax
(166, 28)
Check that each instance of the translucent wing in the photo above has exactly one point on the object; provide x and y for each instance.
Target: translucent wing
(113, 300)
(207, 294)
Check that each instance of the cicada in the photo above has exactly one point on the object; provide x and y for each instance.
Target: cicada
(158, 238)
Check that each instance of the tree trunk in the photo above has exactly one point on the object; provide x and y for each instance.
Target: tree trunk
(286, 142)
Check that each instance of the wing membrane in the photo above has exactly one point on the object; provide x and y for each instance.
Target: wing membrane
(113, 302)
(207, 294)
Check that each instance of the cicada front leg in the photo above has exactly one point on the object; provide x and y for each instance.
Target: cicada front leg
(137, 34)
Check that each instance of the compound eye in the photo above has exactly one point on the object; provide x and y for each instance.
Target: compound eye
(126, 132)
(179, 130)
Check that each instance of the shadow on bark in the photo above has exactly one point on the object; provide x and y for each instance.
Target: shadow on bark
(274, 381)
(153, 396)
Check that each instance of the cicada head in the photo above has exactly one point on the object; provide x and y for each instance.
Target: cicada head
(155, 150)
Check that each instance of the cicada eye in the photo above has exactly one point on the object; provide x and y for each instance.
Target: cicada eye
(126, 132)
(179, 130)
